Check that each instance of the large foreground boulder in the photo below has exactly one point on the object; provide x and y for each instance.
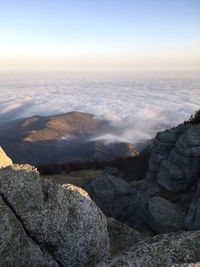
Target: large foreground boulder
(162, 250)
(16, 247)
(4, 159)
(56, 226)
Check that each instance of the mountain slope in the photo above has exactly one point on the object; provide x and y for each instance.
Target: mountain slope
(60, 138)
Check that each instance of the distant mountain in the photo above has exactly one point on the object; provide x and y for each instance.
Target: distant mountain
(60, 138)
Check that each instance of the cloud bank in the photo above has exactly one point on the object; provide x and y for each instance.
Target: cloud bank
(137, 106)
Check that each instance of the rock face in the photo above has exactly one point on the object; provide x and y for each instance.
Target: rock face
(174, 171)
(51, 225)
(4, 159)
(162, 250)
(175, 157)
(164, 216)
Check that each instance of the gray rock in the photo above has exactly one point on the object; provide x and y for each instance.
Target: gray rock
(192, 218)
(4, 159)
(16, 247)
(174, 170)
(161, 251)
(120, 200)
(164, 216)
(121, 236)
(174, 161)
(162, 144)
(61, 220)
(114, 196)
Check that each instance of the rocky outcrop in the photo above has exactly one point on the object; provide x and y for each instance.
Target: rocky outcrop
(162, 250)
(160, 204)
(164, 216)
(174, 171)
(49, 224)
(175, 157)
(4, 159)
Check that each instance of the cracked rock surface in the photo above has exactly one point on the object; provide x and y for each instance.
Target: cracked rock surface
(174, 174)
(43, 224)
(175, 157)
(16, 247)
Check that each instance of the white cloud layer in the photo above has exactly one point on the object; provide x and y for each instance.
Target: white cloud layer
(138, 106)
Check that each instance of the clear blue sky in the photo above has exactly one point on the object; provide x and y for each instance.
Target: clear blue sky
(84, 34)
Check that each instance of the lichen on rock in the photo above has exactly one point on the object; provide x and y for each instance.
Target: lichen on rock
(63, 221)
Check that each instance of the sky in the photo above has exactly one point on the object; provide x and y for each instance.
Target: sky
(116, 35)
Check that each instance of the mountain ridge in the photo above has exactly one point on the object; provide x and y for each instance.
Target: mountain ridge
(60, 138)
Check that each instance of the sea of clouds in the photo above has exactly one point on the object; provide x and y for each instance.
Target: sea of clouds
(138, 105)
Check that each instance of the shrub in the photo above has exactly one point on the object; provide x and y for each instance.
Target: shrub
(194, 119)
